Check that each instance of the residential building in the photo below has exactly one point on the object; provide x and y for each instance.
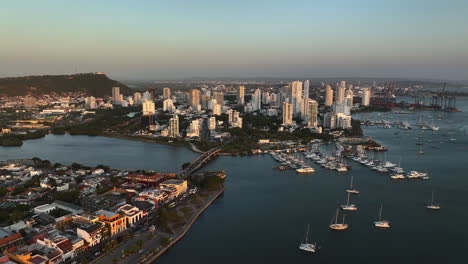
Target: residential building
(137, 98)
(168, 105)
(329, 120)
(166, 92)
(296, 96)
(180, 186)
(287, 114)
(366, 95)
(240, 95)
(115, 222)
(311, 112)
(116, 98)
(306, 89)
(328, 96)
(212, 123)
(219, 96)
(217, 109)
(132, 213)
(343, 121)
(194, 98)
(92, 233)
(174, 126)
(148, 108)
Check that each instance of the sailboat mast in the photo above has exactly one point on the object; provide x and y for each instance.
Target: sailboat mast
(380, 213)
(347, 203)
(307, 234)
(351, 187)
(336, 216)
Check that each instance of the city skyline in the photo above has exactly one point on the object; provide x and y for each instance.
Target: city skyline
(388, 39)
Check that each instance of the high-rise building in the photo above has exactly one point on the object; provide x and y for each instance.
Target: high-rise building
(265, 98)
(343, 121)
(194, 129)
(256, 100)
(204, 98)
(212, 123)
(137, 98)
(219, 96)
(240, 95)
(194, 98)
(296, 96)
(287, 113)
(340, 94)
(217, 109)
(166, 92)
(349, 94)
(366, 95)
(146, 96)
(306, 89)
(212, 103)
(329, 120)
(148, 108)
(168, 105)
(90, 102)
(311, 112)
(174, 127)
(116, 99)
(328, 96)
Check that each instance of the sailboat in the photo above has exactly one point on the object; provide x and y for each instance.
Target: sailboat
(338, 226)
(421, 151)
(381, 223)
(348, 206)
(351, 190)
(306, 246)
(432, 205)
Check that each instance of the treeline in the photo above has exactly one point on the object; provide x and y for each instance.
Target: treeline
(17, 139)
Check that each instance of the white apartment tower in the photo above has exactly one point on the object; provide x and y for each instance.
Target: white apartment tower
(306, 89)
(194, 98)
(166, 92)
(148, 108)
(328, 96)
(287, 113)
(311, 112)
(366, 95)
(240, 95)
(116, 95)
(174, 127)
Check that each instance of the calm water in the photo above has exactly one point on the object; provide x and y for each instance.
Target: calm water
(92, 151)
(264, 212)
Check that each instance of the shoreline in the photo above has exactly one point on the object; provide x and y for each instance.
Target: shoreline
(155, 256)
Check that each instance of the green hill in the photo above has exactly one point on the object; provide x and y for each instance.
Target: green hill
(90, 83)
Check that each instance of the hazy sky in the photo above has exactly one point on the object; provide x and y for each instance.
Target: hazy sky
(236, 38)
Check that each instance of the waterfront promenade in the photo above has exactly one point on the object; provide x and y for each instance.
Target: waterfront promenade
(152, 248)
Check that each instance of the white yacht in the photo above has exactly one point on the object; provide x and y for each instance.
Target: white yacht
(415, 174)
(381, 223)
(351, 190)
(305, 170)
(432, 205)
(338, 226)
(348, 206)
(306, 246)
(397, 176)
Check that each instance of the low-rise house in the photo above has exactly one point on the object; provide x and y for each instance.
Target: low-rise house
(9, 239)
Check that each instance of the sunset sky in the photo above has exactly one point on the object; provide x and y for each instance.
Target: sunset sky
(182, 39)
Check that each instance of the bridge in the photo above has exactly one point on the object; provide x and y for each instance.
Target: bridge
(201, 161)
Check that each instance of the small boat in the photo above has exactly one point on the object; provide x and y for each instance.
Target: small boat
(305, 170)
(348, 206)
(306, 246)
(338, 226)
(351, 190)
(381, 223)
(432, 205)
(397, 176)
